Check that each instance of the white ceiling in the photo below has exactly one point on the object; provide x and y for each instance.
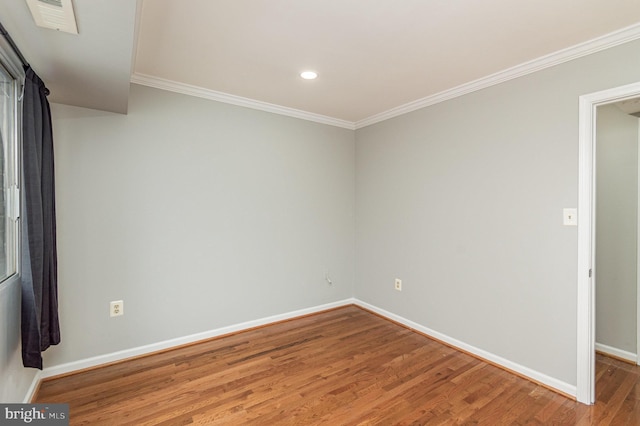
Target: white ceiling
(371, 56)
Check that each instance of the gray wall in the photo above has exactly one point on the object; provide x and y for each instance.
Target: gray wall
(616, 228)
(463, 201)
(15, 378)
(198, 215)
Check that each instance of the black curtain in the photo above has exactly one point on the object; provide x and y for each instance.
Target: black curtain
(40, 326)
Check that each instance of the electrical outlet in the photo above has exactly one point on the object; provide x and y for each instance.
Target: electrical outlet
(398, 284)
(116, 308)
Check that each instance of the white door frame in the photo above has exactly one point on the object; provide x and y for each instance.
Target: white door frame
(638, 258)
(585, 384)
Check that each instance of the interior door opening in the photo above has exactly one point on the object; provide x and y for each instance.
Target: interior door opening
(616, 225)
(586, 300)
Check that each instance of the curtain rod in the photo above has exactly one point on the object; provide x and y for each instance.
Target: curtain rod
(7, 37)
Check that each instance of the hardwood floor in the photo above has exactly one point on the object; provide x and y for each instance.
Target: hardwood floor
(341, 367)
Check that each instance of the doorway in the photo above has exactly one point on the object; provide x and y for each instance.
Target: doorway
(616, 239)
(585, 386)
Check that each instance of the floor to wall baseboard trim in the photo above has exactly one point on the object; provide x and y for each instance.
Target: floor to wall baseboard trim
(83, 364)
(520, 370)
(33, 388)
(616, 353)
(96, 361)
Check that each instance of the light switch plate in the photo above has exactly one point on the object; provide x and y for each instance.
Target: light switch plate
(570, 217)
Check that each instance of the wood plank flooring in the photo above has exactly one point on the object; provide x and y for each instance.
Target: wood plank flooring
(341, 367)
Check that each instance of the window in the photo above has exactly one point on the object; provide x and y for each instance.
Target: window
(9, 199)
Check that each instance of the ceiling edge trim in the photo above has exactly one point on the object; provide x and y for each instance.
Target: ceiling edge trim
(607, 41)
(188, 89)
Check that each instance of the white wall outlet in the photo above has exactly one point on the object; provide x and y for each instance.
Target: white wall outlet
(398, 284)
(116, 308)
(570, 217)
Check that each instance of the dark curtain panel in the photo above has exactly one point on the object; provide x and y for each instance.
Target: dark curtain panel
(40, 326)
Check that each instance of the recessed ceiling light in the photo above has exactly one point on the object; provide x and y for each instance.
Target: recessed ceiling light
(309, 75)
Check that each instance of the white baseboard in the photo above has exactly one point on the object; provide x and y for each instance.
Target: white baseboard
(32, 388)
(551, 382)
(171, 343)
(617, 353)
(167, 344)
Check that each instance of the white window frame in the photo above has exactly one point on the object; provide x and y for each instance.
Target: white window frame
(13, 65)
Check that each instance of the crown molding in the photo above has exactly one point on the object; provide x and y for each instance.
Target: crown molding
(598, 44)
(607, 41)
(188, 89)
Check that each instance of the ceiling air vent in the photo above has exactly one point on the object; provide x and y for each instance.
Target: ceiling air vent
(54, 14)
